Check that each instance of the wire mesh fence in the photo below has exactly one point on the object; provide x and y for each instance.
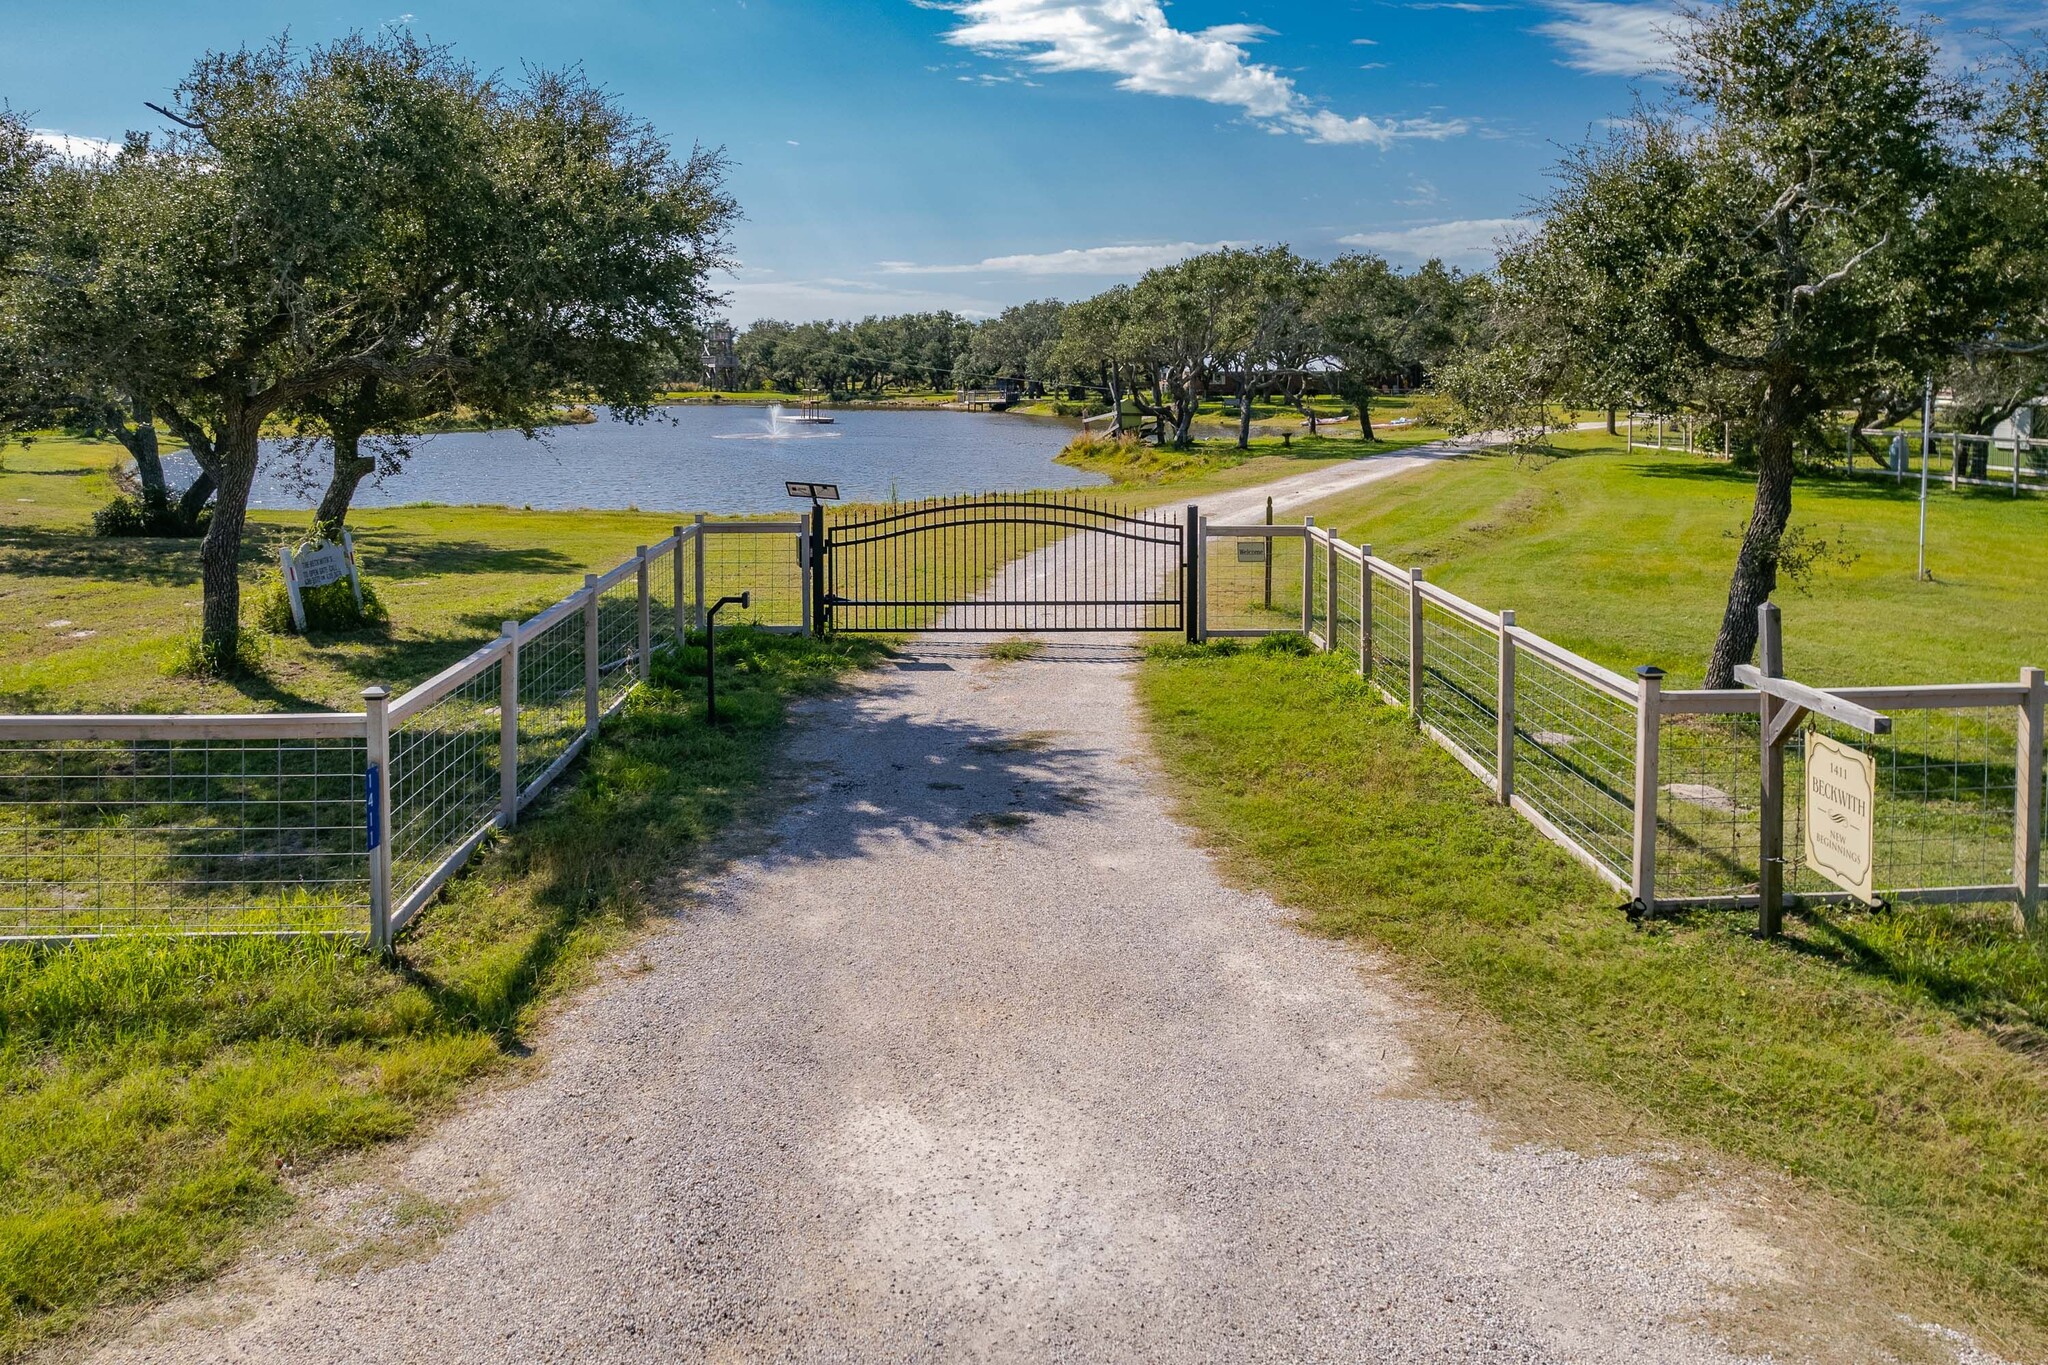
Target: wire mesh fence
(1575, 759)
(170, 835)
(1348, 600)
(765, 563)
(1947, 781)
(618, 640)
(1708, 803)
(1389, 621)
(1253, 583)
(444, 779)
(1461, 683)
(552, 705)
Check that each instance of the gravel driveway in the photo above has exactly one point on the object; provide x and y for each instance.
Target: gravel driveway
(982, 1060)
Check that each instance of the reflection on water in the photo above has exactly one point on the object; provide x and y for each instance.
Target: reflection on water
(710, 459)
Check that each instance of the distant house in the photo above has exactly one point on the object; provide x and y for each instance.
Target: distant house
(721, 361)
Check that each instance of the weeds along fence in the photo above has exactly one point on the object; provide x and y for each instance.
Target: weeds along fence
(1672, 797)
(349, 823)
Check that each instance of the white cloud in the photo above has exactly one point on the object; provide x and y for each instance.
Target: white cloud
(1365, 42)
(1465, 241)
(811, 299)
(1094, 260)
(1132, 41)
(1612, 39)
(74, 146)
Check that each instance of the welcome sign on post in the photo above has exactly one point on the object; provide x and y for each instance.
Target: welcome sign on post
(315, 564)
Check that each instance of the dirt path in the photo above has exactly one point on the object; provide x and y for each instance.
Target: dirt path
(982, 1060)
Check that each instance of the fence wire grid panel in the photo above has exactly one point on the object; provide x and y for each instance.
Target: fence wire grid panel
(618, 641)
(1390, 637)
(1347, 598)
(1461, 683)
(1946, 787)
(1575, 759)
(444, 778)
(261, 835)
(1006, 562)
(551, 695)
(1252, 595)
(1709, 800)
(768, 565)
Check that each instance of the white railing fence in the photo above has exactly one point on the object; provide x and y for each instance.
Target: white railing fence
(349, 823)
(1660, 792)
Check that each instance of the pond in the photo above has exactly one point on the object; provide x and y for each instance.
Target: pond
(708, 459)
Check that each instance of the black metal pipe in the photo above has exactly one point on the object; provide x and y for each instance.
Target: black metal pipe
(745, 601)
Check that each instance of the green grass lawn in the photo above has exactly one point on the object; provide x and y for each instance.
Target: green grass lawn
(1890, 1065)
(157, 1095)
(1626, 559)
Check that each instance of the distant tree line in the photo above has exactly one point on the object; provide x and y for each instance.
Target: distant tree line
(1261, 322)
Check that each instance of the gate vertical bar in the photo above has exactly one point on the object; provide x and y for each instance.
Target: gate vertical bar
(1308, 575)
(1190, 567)
(645, 653)
(590, 701)
(1770, 843)
(820, 617)
(1415, 643)
(1649, 736)
(377, 810)
(508, 728)
(1202, 580)
(803, 579)
(2027, 806)
(1504, 714)
(697, 611)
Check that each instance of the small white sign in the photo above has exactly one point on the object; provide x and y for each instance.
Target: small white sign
(1251, 552)
(1841, 828)
(315, 564)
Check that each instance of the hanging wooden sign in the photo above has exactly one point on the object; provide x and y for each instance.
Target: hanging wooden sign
(1841, 828)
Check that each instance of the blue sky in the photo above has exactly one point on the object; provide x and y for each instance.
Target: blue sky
(967, 154)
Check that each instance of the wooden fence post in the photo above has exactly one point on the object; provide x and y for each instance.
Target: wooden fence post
(1329, 591)
(1365, 611)
(2027, 808)
(1649, 734)
(508, 728)
(1415, 643)
(377, 811)
(590, 661)
(1504, 714)
(645, 653)
(1770, 843)
(1308, 576)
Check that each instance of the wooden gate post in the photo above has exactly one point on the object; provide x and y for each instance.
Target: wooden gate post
(1329, 591)
(1649, 736)
(676, 572)
(2027, 806)
(697, 611)
(1770, 843)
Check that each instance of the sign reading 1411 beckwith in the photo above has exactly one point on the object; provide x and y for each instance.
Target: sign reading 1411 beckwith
(315, 564)
(1841, 833)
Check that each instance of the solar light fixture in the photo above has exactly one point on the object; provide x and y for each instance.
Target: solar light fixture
(816, 492)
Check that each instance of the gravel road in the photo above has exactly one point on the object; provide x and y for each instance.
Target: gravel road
(982, 1060)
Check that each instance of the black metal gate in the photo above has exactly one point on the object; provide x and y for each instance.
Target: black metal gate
(1001, 562)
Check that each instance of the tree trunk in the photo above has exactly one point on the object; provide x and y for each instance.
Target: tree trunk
(1244, 409)
(193, 500)
(141, 445)
(1756, 564)
(1610, 423)
(1365, 432)
(350, 469)
(220, 553)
